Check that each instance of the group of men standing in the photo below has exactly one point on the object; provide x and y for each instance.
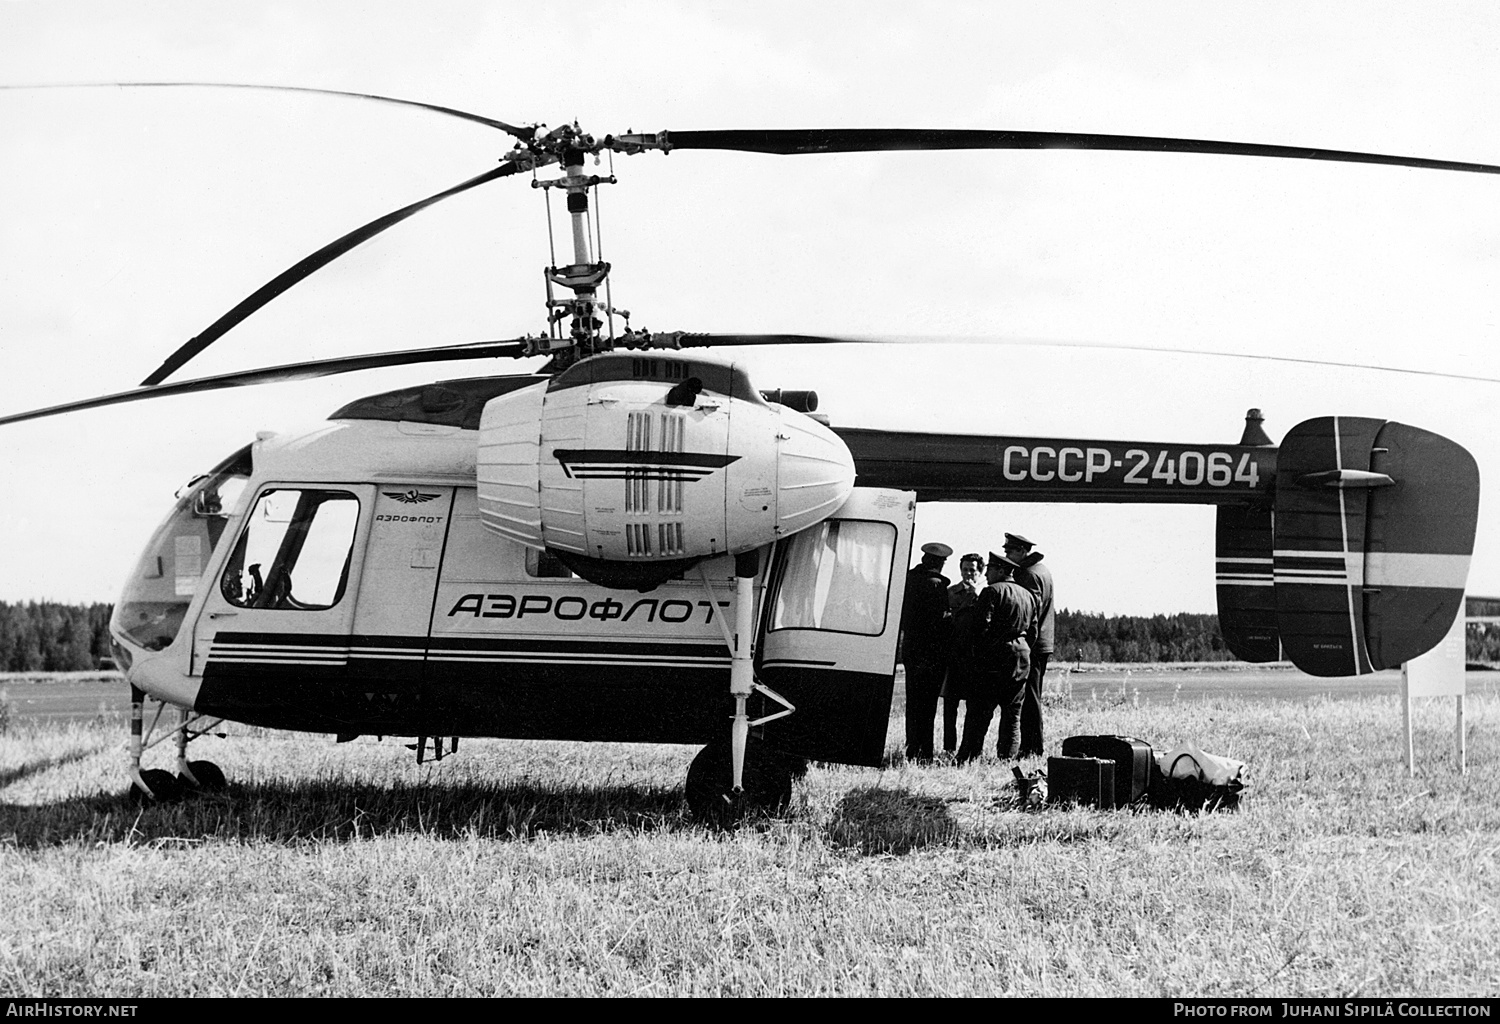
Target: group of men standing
(985, 644)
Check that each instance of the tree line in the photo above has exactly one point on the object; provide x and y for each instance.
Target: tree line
(1483, 644)
(1186, 636)
(42, 636)
(49, 637)
(1191, 637)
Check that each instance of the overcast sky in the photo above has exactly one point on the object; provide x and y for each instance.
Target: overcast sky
(134, 218)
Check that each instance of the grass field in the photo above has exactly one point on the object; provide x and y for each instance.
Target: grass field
(529, 868)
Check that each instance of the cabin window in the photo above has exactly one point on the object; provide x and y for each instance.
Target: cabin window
(294, 552)
(836, 576)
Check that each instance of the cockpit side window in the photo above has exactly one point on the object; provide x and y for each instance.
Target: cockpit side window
(294, 552)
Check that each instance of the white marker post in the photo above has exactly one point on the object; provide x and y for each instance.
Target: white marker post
(1438, 673)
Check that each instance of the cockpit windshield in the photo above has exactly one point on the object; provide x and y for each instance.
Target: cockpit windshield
(156, 597)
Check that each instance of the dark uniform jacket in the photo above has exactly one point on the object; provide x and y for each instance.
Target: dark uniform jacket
(924, 617)
(1037, 578)
(1006, 615)
(963, 606)
(963, 603)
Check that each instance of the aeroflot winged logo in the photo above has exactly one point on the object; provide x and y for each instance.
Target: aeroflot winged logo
(607, 464)
(411, 497)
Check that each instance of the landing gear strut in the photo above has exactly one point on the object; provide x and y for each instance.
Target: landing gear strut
(157, 785)
(737, 773)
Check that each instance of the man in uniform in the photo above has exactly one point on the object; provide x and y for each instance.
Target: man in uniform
(1036, 578)
(1004, 617)
(924, 646)
(963, 602)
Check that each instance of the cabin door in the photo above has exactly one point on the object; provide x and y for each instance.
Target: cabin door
(829, 625)
(274, 629)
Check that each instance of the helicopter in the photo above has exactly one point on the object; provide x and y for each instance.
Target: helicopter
(588, 551)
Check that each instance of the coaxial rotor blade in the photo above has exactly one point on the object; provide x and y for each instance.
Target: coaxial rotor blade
(789, 141)
(701, 340)
(306, 266)
(697, 340)
(285, 373)
(524, 134)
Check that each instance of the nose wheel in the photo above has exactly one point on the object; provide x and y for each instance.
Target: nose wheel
(204, 777)
(157, 785)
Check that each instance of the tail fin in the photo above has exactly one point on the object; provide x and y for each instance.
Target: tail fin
(1246, 586)
(1323, 484)
(1420, 537)
(1247, 595)
(1373, 529)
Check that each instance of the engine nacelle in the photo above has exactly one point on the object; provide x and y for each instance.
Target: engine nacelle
(647, 459)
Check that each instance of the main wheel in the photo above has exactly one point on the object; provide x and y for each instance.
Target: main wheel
(767, 784)
(210, 777)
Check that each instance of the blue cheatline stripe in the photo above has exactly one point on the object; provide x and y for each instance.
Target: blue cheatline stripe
(270, 649)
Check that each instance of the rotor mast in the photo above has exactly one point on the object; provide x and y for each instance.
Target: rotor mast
(585, 275)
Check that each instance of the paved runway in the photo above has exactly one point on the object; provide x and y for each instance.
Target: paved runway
(1248, 682)
(64, 696)
(77, 696)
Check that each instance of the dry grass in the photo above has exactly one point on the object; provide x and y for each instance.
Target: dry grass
(567, 869)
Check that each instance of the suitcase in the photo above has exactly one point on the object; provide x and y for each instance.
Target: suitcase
(1083, 780)
(1134, 760)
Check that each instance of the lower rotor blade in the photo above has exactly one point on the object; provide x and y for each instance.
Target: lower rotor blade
(524, 134)
(285, 373)
(791, 141)
(697, 340)
(305, 267)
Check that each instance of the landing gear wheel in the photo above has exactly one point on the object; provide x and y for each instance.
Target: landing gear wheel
(210, 777)
(165, 787)
(767, 784)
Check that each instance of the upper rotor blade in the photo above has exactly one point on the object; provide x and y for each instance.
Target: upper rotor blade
(700, 340)
(281, 282)
(287, 372)
(789, 141)
(525, 134)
